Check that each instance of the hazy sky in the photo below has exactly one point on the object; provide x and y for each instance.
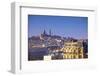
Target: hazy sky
(65, 26)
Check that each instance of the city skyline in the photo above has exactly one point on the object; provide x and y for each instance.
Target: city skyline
(65, 26)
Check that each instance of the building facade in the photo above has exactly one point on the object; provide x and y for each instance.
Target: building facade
(73, 50)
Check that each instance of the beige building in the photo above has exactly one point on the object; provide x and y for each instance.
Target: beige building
(72, 50)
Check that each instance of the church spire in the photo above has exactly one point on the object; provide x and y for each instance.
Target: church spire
(50, 32)
(44, 32)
